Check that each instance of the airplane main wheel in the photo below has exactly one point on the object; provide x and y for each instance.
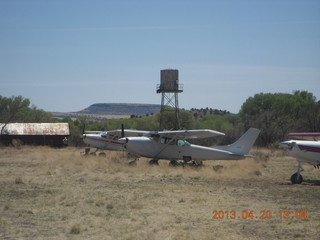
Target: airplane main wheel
(197, 164)
(174, 163)
(295, 179)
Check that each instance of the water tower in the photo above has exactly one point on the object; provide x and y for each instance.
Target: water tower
(169, 88)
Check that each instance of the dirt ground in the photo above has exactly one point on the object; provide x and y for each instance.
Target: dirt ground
(48, 193)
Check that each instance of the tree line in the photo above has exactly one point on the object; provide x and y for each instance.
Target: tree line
(18, 109)
(275, 114)
(278, 114)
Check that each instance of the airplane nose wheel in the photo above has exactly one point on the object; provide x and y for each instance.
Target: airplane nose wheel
(296, 178)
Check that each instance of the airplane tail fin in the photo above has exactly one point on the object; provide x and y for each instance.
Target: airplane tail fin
(243, 145)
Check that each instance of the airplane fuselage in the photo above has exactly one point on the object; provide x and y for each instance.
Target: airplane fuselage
(96, 140)
(175, 150)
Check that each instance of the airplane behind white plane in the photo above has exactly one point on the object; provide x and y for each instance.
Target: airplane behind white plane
(108, 140)
(172, 145)
(305, 151)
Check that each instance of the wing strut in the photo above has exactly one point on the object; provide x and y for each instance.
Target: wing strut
(155, 159)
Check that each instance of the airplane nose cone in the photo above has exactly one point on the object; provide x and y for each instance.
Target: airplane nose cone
(284, 143)
(287, 144)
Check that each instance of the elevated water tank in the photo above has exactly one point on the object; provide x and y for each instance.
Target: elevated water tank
(169, 81)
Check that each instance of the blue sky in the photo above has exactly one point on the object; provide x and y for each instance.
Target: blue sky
(65, 55)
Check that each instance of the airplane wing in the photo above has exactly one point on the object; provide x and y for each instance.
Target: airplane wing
(178, 134)
(128, 133)
(190, 134)
(314, 136)
(118, 132)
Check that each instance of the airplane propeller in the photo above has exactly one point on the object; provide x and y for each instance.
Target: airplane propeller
(122, 130)
(83, 130)
(122, 136)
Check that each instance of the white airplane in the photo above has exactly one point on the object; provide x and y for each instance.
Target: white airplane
(305, 151)
(109, 140)
(172, 145)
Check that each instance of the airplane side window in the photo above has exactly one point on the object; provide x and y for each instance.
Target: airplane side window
(165, 140)
(183, 143)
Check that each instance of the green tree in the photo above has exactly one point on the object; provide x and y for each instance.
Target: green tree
(10, 108)
(33, 115)
(169, 119)
(277, 114)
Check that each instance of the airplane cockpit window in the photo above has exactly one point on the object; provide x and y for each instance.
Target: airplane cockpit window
(179, 142)
(183, 143)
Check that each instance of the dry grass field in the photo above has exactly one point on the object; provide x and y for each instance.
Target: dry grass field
(48, 193)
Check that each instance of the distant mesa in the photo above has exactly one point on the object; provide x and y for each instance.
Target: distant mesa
(103, 111)
(121, 109)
